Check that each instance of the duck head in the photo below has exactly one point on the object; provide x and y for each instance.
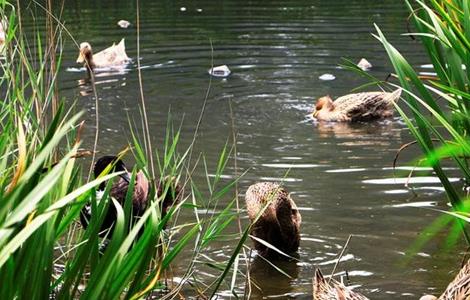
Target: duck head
(86, 55)
(117, 165)
(324, 103)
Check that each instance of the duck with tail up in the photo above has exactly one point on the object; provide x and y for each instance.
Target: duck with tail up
(112, 56)
(458, 289)
(356, 107)
(332, 289)
(140, 196)
(278, 224)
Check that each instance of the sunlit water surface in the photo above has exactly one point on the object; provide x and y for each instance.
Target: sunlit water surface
(340, 175)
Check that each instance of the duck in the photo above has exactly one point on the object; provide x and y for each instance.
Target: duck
(112, 56)
(356, 107)
(140, 196)
(332, 289)
(3, 36)
(458, 289)
(279, 223)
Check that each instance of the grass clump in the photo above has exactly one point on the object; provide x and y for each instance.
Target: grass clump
(438, 107)
(43, 251)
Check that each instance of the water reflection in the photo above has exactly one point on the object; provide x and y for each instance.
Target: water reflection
(360, 132)
(263, 272)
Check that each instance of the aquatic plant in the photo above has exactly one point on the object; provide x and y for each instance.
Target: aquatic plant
(437, 108)
(43, 251)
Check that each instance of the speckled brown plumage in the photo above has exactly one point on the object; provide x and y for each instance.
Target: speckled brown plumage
(458, 289)
(332, 290)
(279, 224)
(356, 107)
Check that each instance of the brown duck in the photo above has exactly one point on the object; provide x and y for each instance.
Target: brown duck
(356, 107)
(458, 289)
(279, 224)
(119, 189)
(332, 289)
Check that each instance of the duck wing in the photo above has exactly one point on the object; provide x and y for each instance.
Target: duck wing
(459, 288)
(111, 56)
(366, 106)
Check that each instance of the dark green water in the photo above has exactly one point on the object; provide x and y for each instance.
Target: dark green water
(339, 175)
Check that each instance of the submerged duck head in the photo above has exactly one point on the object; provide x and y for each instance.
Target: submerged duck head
(279, 224)
(86, 55)
(324, 103)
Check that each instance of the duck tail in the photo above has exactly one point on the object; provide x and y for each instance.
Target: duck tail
(319, 276)
(395, 95)
(321, 289)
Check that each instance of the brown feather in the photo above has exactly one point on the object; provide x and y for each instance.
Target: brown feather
(279, 224)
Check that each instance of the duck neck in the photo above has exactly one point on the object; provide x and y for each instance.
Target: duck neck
(89, 63)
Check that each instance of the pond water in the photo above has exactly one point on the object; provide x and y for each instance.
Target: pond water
(340, 175)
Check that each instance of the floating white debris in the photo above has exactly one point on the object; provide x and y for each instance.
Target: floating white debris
(327, 77)
(123, 23)
(199, 10)
(220, 71)
(364, 65)
(183, 8)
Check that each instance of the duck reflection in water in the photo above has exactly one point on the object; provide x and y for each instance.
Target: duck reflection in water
(267, 281)
(372, 133)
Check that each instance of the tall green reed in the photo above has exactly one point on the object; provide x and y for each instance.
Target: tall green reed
(42, 250)
(437, 111)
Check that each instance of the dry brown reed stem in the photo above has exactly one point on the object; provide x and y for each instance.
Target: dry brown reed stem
(92, 77)
(339, 257)
(203, 108)
(422, 77)
(50, 54)
(147, 140)
(401, 149)
(97, 124)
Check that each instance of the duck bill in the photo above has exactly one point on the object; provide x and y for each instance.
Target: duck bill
(315, 113)
(80, 58)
